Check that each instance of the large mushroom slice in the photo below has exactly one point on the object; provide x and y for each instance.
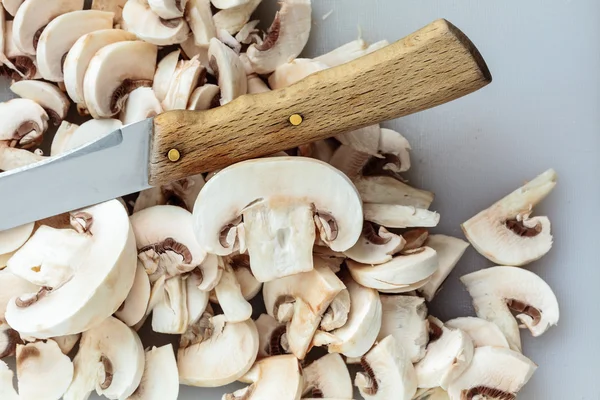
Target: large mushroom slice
(396, 216)
(24, 122)
(12, 239)
(505, 233)
(17, 65)
(375, 247)
(286, 38)
(85, 274)
(139, 18)
(170, 314)
(32, 17)
(110, 360)
(270, 336)
(388, 190)
(205, 97)
(135, 305)
(388, 373)
(495, 373)
(43, 371)
(49, 96)
(499, 291)
(160, 380)
(187, 77)
(11, 286)
(336, 315)
(234, 19)
(168, 9)
(228, 69)
(90, 131)
(114, 6)
(199, 16)
(165, 70)
(62, 33)
(482, 332)
(277, 215)
(219, 353)
(115, 71)
(327, 377)
(141, 104)
(7, 390)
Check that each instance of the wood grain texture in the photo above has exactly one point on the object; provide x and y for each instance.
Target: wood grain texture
(430, 67)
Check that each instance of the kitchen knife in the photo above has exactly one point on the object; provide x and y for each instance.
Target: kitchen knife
(430, 67)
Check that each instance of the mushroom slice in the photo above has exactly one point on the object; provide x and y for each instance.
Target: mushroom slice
(256, 84)
(388, 190)
(12, 158)
(393, 143)
(234, 19)
(50, 97)
(405, 318)
(185, 80)
(168, 9)
(134, 307)
(141, 104)
(311, 294)
(24, 122)
(67, 342)
(294, 71)
(139, 18)
(270, 336)
(43, 371)
(494, 373)
(499, 291)
(229, 293)
(11, 286)
(350, 51)
(505, 233)
(165, 70)
(73, 269)
(278, 377)
(245, 34)
(221, 353)
(228, 69)
(431, 394)
(91, 130)
(449, 250)
(17, 64)
(388, 373)
(115, 71)
(160, 380)
(9, 339)
(199, 16)
(375, 247)
(482, 332)
(197, 300)
(336, 315)
(204, 98)
(225, 4)
(321, 150)
(12, 239)
(327, 377)
(61, 34)
(249, 285)
(293, 192)
(446, 358)
(114, 6)
(110, 359)
(33, 16)
(182, 193)
(11, 6)
(286, 38)
(80, 55)
(396, 216)
(7, 391)
(395, 275)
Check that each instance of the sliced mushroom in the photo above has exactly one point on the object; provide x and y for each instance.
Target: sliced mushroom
(50, 97)
(270, 336)
(12, 239)
(350, 51)
(114, 6)
(230, 41)
(134, 307)
(221, 352)
(225, 4)
(139, 18)
(327, 377)
(204, 98)
(293, 191)
(405, 318)
(60, 35)
(245, 34)
(186, 78)
(229, 71)
(199, 16)
(9, 339)
(256, 84)
(80, 55)
(168, 9)
(115, 71)
(388, 373)
(110, 359)
(182, 193)
(482, 332)
(141, 104)
(7, 391)
(11, 6)
(11, 286)
(336, 315)
(191, 50)
(294, 71)
(170, 314)
(396, 216)
(505, 233)
(321, 150)
(499, 291)
(165, 70)
(494, 373)
(24, 122)
(229, 293)
(234, 19)
(375, 247)
(73, 269)
(387, 190)
(431, 394)
(17, 64)
(349, 160)
(12, 158)
(67, 342)
(160, 380)
(197, 299)
(286, 38)
(43, 371)
(365, 140)
(91, 130)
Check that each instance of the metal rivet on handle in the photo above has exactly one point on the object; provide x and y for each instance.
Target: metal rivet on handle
(296, 119)
(174, 155)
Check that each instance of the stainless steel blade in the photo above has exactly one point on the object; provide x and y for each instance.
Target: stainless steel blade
(112, 166)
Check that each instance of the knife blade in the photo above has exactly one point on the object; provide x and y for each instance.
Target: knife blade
(430, 67)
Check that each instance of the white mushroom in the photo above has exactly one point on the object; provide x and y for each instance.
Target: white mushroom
(9, 339)
(225, 4)
(286, 38)
(350, 51)
(141, 104)
(11, 286)
(234, 19)
(115, 71)
(199, 16)
(482, 332)
(394, 144)
(336, 315)
(170, 313)
(292, 191)
(12, 239)
(110, 360)
(89, 131)
(396, 216)
(50, 97)
(134, 307)
(230, 41)
(431, 394)
(205, 97)
(270, 336)
(7, 391)
(17, 65)
(12, 158)
(229, 293)
(499, 290)
(43, 371)
(165, 70)
(139, 18)
(294, 71)
(24, 122)
(375, 247)
(67, 342)
(182, 193)
(256, 84)
(197, 299)
(73, 268)
(191, 50)
(245, 34)
(114, 6)
(388, 190)
(327, 377)
(388, 373)
(321, 150)
(11, 6)
(505, 233)
(228, 69)
(186, 78)
(168, 9)
(160, 380)
(494, 373)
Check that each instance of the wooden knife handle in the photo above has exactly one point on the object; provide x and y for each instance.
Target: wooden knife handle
(430, 67)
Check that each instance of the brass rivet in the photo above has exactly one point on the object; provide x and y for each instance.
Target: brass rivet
(174, 155)
(296, 119)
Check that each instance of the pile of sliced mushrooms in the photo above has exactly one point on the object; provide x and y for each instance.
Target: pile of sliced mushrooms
(330, 233)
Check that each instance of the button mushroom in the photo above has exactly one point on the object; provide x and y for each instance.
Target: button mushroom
(141, 104)
(165, 70)
(134, 307)
(7, 391)
(11, 6)
(327, 377)
(229, 71)
(12, 286)
(182, 193)
(205, 97)
(9, 339)
(397, 216)
(431, 394)
(17, 64)
(270, 336)
(61, 137)
(168, 9)
(90, 131)
(160, 380)
(24, 122)
(234, 19)
(114, 6)
(231, 299)
(336, 315)
(12, 239)
(50, 97)
(482, 332)
(139, 18)
(199, 16)
(187, 76)
(294, 71)
(375, 247)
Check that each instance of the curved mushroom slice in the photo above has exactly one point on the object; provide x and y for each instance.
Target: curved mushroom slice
(327, 377)
(134, 307)
(170, 313)
(396, 275)
(197, 299)
(79, 265)
(375, 247)
(286, 38)
(311, 293)
(12, 158)
(394, 144)
(294, 71)
(115, 71)
(230, 41)
(336, 315)
(321, 150)
(278, 377)
(499, 290)
(138, 18)
(256, 84)
(349, 160)
(221, 353)
(168, 9)
(90, 131)
(495, 373)
(12, 239)
(165, 70)
(388, 373)
(245, 34)
(229, 293)
(33, 16)
(270, 336)
(7, 391)
(405, 318)
(431, 394)
(67, 342)
(293, 191)
(160, 380)
(396, 216)
(186, 78)
(80, 55)
(11, 286)
(114, 6)
(43, 371)
(505, 233)
(50, 97)
(182, 193)
(11, 6)
(17, 64)
(449, 250)
(110, 359)
(61, 34)
(204, 98)
(199, 16)
(234, 19)
(24, 122)
(228, 69)
(482, 332)
(249, 286)
(9, 339)
(350, 51)
(141, 104)
(387, 190)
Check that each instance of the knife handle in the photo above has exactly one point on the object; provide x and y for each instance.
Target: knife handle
(430, 67)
